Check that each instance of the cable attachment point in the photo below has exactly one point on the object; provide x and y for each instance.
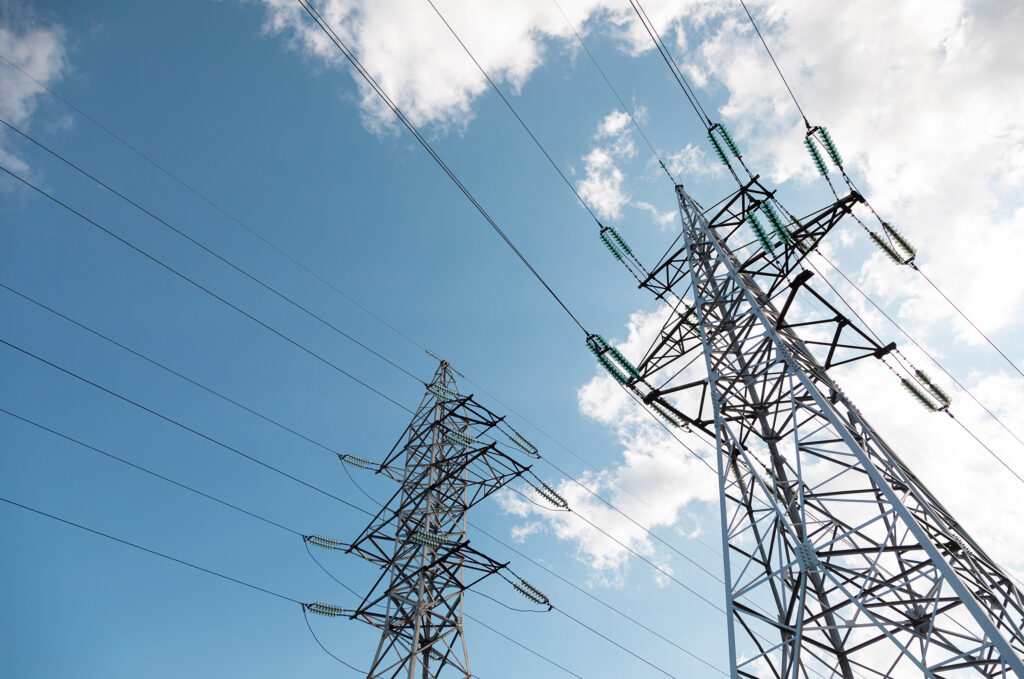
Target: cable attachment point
(601, 350)
(457, 438)
(322, 542)
(666, 414)
(762, 236)
(356, 461)
(520, 441)
(773, 216)
(614, 242)
(904, 244)
(884, 246)
(830, 147)
(324, 609)
(936, 391)
(819, 162)
(429, 540)
(443, 393)
(549, 494)
(531, 593)
(919, 395)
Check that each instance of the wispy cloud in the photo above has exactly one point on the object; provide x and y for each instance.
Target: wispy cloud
(38, 50)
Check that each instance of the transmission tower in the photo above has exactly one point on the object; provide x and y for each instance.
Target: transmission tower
(446, 465)
(838, 561)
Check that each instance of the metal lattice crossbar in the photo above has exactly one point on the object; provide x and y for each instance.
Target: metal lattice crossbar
(839, 562)
(418, 538)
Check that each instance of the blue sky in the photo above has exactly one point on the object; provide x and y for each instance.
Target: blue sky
(238, 102)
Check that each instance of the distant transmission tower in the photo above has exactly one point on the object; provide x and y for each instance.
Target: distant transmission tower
(838, 561)
(447, 461)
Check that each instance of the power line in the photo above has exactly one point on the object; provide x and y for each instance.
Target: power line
(140, 468)
(170, 420)
(206, 249)
(150, 551)
(351, 57)
(597, 599)
(170, 370)
(522, 646)
(775, 63)
(203, 197)
(201, 287)
(622, 103)
(377, 317)
(511, 108)
(670, 61)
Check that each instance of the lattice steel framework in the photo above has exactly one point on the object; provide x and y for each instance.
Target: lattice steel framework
(839, 562)
(418, 538)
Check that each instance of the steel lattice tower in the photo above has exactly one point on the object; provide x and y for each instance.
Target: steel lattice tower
(838, 561)
(418, 538)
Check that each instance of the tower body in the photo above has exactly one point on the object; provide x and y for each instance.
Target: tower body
(418, 539)
(838, 561)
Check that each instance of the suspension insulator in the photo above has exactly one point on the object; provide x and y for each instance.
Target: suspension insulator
(606, 240)
(520, 441)
(830, 146)
(324, 609)
(919, 395)
(443, 393)
(937, 391)
(819, 162)
(531, 592)
(429, 540)
(666, 415)
(602, 350)
(458, 438)
(322, 542)
(549, 494)
(773, 216)
(762, 237)
(618, 239)
(356, 461)
(727, 138)
(900, 239)
(884, 246)
(719, 151)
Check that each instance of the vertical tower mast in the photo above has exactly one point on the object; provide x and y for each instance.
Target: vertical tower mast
(418, 538)
(838, 561)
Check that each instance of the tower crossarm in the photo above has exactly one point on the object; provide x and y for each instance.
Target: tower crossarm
(839, 561)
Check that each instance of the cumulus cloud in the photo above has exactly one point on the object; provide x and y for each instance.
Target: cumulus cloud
(654, 484)
(36, 49)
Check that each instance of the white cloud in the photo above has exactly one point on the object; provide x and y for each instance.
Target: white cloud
(653, 468)
(38, 50)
